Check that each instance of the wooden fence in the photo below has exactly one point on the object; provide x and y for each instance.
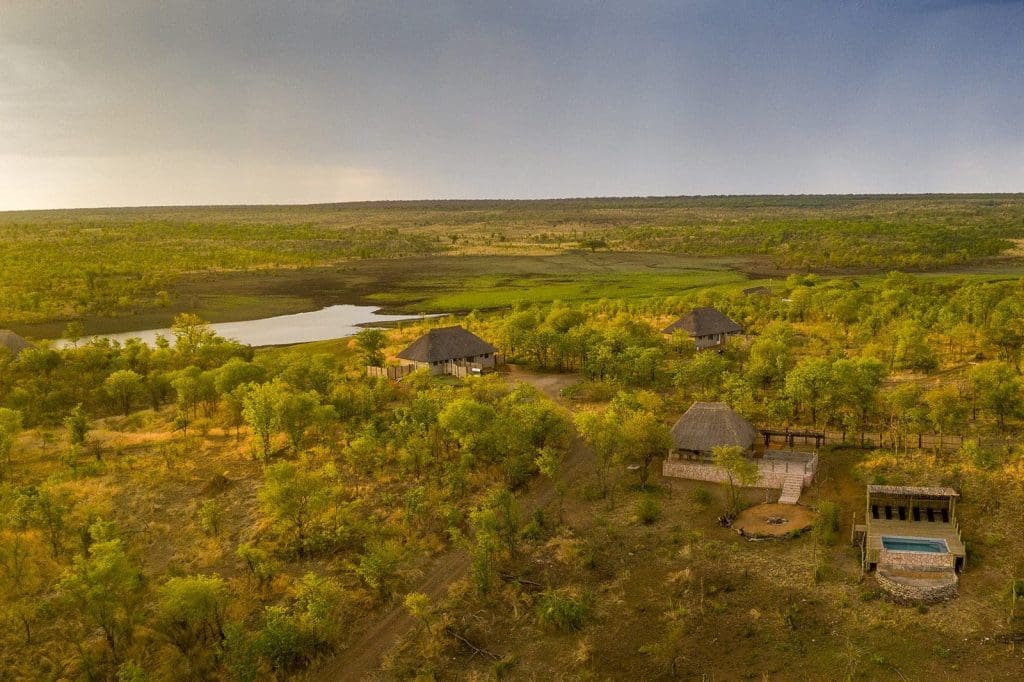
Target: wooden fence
(875, 439)
(394, 373)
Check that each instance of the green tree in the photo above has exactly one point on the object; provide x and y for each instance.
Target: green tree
(1005, 330)
(188, 386)
(380, 568)
(295, 413)
(904, 410)
(123, 387)
(191, 611)
(809, 385)
(644, 437)
(602, 430)
(102, 586)
(191, 333)
(10, 427)
(318, 604)
(159, 389)
(284, 643)
(73, 332)
(371, 343)
(259, 409)
(549, 463)
(467, 420)
(912, 348)
(505, 518)
(418, 606)
(77, 425)
(947, 411)
(996, 387)
(741, 471)
(771, 356)
(294, 498)
(237, 372)
(702, 374)
(854, 389)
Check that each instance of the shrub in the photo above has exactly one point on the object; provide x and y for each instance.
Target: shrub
(518, 469)
(647, 510)
(284, 644)
(702, 496)
(826, 525)
(210, 517)
(380, 568)
(565, 610)
(591, 391)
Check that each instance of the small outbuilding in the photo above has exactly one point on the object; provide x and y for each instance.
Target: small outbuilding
(911, 539)
(706, 426)
(708, 327)
(450, 350)
(12, 343)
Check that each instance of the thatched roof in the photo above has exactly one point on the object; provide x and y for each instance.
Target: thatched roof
(913, 491)
(704, 322)
(446, 343)
(706, 426)
(13, 343)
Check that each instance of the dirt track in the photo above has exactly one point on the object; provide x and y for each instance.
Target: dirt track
(362, 658)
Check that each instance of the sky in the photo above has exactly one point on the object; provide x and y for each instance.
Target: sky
(130, 103)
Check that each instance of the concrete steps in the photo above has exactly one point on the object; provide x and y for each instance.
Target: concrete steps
(792, 486)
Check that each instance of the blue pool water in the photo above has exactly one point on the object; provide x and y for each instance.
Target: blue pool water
(899, 544)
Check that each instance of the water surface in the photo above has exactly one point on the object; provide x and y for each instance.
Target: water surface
(333, 322)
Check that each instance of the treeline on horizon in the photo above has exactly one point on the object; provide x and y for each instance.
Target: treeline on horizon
(62, 265)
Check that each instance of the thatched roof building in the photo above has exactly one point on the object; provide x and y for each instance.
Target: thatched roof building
(706, 426)
(12, 343)
(707, 326)
(449, 345)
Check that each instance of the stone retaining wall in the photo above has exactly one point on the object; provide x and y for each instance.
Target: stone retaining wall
(919, 592)
(916, 561)
(770, 474)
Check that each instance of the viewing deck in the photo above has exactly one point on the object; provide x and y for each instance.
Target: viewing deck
(876, 553)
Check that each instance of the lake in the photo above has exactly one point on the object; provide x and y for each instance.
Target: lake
(333, 322)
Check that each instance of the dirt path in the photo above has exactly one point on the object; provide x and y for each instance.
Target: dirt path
(362, 658)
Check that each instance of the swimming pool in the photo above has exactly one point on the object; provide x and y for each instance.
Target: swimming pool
(901, 544)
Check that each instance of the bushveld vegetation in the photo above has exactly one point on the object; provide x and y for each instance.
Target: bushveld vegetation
(205, 510)
(200, 506)
(197, 509)
(68, 264)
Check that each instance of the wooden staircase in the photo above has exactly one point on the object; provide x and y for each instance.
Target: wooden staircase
(792, 486)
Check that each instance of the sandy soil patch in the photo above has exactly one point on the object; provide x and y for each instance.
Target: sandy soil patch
(773, 520)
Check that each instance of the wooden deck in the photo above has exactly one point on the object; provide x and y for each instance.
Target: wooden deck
(937, 530)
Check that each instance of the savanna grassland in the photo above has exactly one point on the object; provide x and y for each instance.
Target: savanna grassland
(206, 510)
(95, 264)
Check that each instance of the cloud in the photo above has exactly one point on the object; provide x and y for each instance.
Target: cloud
(460, 99)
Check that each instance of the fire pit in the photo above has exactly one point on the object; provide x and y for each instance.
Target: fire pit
(773, 520)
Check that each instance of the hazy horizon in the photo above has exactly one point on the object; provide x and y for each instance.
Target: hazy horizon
(116, 104)
(456, 200)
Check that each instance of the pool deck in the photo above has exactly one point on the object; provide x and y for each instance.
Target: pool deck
(935, 530)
